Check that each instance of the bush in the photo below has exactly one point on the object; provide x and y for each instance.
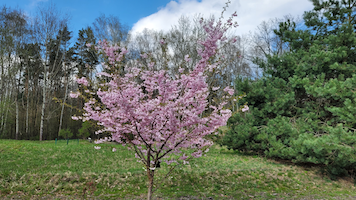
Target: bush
(65, 133)
(297, 141)
(85, 130)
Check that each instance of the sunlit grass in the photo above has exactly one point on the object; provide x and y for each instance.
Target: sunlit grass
(45, 170)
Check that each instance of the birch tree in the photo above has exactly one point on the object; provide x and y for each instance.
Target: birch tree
(63, 37)
(110, 28)
(47, 24)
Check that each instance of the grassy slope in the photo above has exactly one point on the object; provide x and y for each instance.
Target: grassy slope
(30, 169)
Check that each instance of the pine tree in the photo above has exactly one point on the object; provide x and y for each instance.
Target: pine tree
(85, 58)
(304, 106)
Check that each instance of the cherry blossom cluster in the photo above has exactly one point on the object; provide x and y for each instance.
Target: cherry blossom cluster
(159, 116)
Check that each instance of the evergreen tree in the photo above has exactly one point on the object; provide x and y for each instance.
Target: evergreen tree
(303, 108)
(85, 58)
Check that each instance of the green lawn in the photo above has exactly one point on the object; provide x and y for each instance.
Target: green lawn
(43, 170)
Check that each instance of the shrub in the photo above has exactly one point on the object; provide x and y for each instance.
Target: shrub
(85, 130)
(65, 133)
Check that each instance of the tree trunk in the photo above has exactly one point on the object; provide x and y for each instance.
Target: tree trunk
(62, 111)
(27, 110)
(27, 99)
(150, 175)
(2, 111)
(17, 119)
(2, 96)
(64, 101)
(5, 120)
(6, 114)
(43, 102)
(36, 111)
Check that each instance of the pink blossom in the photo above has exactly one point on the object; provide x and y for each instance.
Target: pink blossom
(229, 22)
(128, 109)
(184, 157)
(186, 58)
(245, 108)
(103, 74)
(197, 154)
(229, 90)
(215, 88)
(143, 55)
(101, 140)
(97, 147)
(211, 67)
(75, 118)
(124, 50)
(151, 64)
(113, 149)
(88, 45)
(83, 81)
(74, 95)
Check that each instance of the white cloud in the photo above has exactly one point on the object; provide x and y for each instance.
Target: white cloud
(250, 12)
(31, 7)
(34, 3)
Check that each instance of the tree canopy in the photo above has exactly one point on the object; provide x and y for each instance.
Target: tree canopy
(303, 107)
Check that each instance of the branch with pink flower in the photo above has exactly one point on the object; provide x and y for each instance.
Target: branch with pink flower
(156, 115)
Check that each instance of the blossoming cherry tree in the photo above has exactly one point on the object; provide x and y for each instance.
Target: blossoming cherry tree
(160, 116)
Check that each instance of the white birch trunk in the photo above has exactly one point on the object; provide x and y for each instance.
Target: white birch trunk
(62, 111)
(6, 114)
(43, 102)
(2, 97)
(27, 101)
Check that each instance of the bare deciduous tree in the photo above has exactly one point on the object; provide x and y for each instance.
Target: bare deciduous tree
(110, 28)
(183, 39)
(47, 24)
(263, 42)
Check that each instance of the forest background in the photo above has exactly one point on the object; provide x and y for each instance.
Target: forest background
(40, 58)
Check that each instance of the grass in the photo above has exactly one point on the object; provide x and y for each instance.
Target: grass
(43, 170)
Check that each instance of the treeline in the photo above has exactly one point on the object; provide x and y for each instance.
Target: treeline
(39, 60)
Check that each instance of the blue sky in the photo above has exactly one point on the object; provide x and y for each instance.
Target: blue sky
(162, 14)
(84, 12)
